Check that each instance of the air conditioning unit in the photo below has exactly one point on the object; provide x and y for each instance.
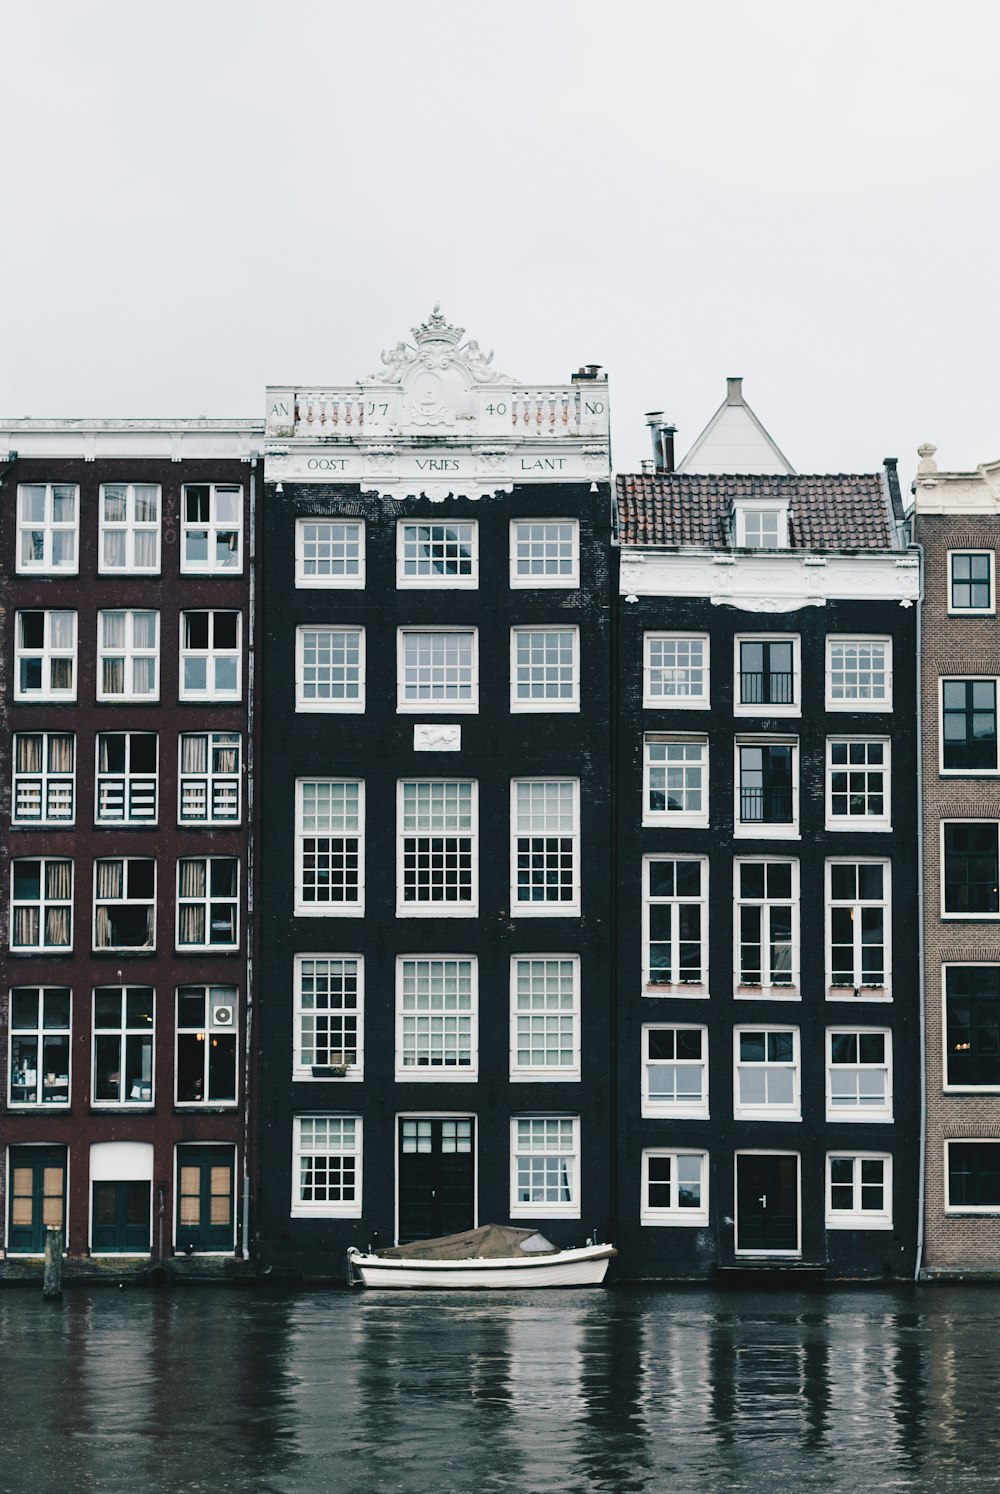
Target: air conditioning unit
(223, 1016)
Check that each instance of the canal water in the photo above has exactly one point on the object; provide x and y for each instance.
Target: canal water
(210, 1390)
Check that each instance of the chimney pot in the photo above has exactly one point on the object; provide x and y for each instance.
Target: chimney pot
(734, 391)
(648, 466)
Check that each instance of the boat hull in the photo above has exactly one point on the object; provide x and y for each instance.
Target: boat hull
(586, 1266)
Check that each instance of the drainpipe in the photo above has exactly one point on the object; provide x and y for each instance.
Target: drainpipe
(251, 923)
(921, 968)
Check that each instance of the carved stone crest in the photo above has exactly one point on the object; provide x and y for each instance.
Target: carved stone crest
(437, 373)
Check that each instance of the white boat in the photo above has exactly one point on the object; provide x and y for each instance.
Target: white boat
(489, 1257)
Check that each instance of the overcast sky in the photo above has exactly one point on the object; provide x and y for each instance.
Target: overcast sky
(202, 198)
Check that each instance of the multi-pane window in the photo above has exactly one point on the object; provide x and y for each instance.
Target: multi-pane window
(767, 1073)
(329, 859)
(436, 1012)
(859, 674)
(858, 924)
(123, 1045)
(675, 670)
(973, 1169)
(971, 880)
(330, 552)
(545, 669)
(675, 1071)
(674, 1187)
(206, 1045)
(126, 778)
(437, 554)
(127, 655)
(210, 656)
(766, 787)
(44, 764)
(39, 1045)
(329, 997)
(857, 781)
(545, 1017)
(675, 924)
(858, 1191)
(545, 1166)
(326, 1165)
(970, 581)
(675, 770)
(45, 656)
(208, 902)
(47, 517)
(969, 726)
(437, 669)
(545, 853)
(972, 1027)
(209, 778)
(761, 528)
(767, 673)
(130, 527)
(858, 1074)
(125, 903)
(437, 870)
(329, 669)
(766, 928)
(211, 527)
(41, 908)
(544, 552)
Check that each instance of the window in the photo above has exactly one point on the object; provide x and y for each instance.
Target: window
(857, 778)
(211, 528)
(126, 778)
(130, 528)
(970, 581)
(127, 655)
(858, 1075)
(436, 1018)
(545, 872)
(675, 1071)
(545, 1017)
(207, 902)
(330, 855)
(676, 780)
(545, 1166)
(437, 868)
(47, 527)
(767, 788)
(326, 1165)
(329, 669)
(45, 656)
(123, 1045)
(767, 928)
(675, 670)
(437, 669)
(858, 905)
(544, 552)
(437, 554)
(970, 881)
(545, 669)
(330, 552)
(676, 925)
(969, 726)
(973, 1169)
(206, 1045)
(329, 1006)
(767, 1073)
(125, 903)
(44, 775)
(858, 674)
(674, 1187)
(761, 526)
(39, 1045)
(767, 672)
(858, 1191)
(972, 1027)
(210, 656)
(41, 910)
(210, 775)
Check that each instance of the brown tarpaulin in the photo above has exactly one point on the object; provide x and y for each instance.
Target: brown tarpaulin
(489, 1242)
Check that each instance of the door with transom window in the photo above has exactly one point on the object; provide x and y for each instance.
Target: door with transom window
(436, 1176)
(37, 1196)
(205, 1199)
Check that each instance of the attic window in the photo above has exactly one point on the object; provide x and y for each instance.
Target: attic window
(760, 526)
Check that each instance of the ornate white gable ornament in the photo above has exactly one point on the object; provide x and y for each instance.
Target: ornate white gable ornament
(437, 374)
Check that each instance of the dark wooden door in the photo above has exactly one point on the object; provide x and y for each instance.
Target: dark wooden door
(436, 1177)
(37, 1196)
(205, 1204)
(767, 1202)
(121, 1217)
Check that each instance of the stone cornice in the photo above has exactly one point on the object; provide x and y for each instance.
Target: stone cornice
(771, 582)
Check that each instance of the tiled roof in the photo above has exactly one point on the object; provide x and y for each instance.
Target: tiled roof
(837, 512)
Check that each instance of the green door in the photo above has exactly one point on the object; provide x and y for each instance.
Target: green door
(37, 1196)
(121, 1218)
(205, 1203)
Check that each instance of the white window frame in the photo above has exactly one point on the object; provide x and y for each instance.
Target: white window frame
(353, 1072)
(987, 611)
(435, 705)
(123, 1031)
(968, 679)
(409, 908)
(440, 581)
(346, 705)
(947, 1086)
(344, 1209)
(124, 902)
(862, 822)
(767, 990)
(348, 581)
(545, 703)
(342, 909)
(679, 701)
(859, 1218)
(766, 708)
(39, 1032)
(218, 998)
(790, 1111)
(213, 528)
(204, 902)
(131, 782)
(868, 1113)
(526, 580)
(569, 908)
(211, 785)
(55, 787)
(859, 991)
(978, 1210)
(48, 655)
(668, 816)
(746, 508)
(129, 528)
(766, 829)
(696, 1109)
(675, 986)
(857, 703)
(48, 527)
(212, 656)
(130, 654)
(437, 1073)
(43, 904)
(544, 1014)
(542, 1209)
(988, 916)
(673, 1215)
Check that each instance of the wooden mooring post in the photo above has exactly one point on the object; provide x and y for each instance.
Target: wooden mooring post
(52, 1281)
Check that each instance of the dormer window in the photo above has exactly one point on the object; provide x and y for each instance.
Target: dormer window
(760, 526)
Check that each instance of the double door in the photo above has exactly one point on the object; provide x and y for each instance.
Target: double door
(436, 1176)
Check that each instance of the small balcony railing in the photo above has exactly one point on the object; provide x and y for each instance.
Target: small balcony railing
(766, 806)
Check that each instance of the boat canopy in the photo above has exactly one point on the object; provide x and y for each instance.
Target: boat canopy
(488, 1242)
